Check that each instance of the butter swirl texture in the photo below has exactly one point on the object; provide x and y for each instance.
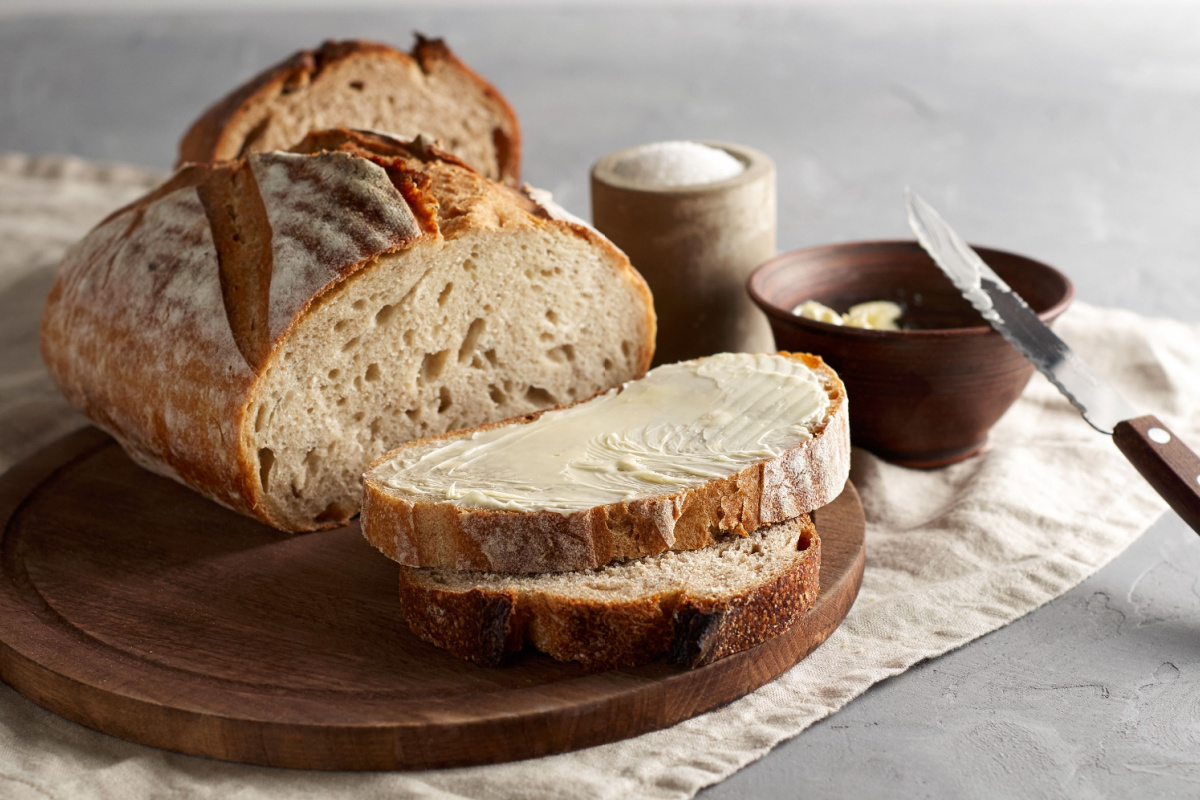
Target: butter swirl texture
(680, 426)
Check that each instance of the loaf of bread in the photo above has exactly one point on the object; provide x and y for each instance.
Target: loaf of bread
(357, 84)
(695, 606)
(729, 443)
(262, 329)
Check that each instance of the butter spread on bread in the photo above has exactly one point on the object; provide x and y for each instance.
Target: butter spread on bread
(262, 329)
(726, 444)
(680, 425)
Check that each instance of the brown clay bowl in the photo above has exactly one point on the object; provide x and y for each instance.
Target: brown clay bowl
(921, 397)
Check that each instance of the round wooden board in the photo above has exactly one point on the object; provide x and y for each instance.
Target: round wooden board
(131, 605)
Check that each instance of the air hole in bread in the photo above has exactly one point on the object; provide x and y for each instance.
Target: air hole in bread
(445, 295)
(350, 344)
(266, 460)
(357, 85)
(433, 365)
(490, 355)
(312, 463)
(340, 325)
(476, 362)
(529, 274)
(335, 511)
(626, 349)
(413, 414)
(804, 543)
(260, 418)
(444, 399)
(376, 426)
(334, 373)
(470, 340)
(539, 397)
(552, 316)
(359, 305)
(547, 337)
(468, 265)
(408, 337)
(497, 394)
(608, 364)
(385, 314)
(372, 372)
(561, 354)
(359, 416)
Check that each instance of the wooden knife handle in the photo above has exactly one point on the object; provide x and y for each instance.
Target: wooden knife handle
(1165, 462)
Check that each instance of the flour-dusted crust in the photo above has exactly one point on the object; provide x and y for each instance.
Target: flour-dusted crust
(362, 84)
(420, 532)
(166, 320)
(484, 618)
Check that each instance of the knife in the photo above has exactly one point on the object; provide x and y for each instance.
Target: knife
(1159, 455)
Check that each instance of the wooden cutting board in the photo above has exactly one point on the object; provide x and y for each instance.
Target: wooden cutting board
(131, 605)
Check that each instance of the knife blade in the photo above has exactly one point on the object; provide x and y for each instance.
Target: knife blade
(1159, 455)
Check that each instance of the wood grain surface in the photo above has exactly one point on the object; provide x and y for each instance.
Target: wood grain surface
(131, 605)
(1167, 464)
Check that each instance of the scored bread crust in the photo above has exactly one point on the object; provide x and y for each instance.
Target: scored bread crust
(419, 532)
(214, 135)
(693, 626)
(164, 319)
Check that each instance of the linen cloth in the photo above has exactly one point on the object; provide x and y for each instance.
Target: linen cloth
(952, 554)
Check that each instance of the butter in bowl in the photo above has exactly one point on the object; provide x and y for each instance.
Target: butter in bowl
(925, 393)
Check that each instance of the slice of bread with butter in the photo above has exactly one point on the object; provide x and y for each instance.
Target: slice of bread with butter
(694, 450)
(694, 606)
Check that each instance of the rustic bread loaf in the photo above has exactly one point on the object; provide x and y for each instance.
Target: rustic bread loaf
(730, 443)
(262, 329)
(696, 606)
(357, 84)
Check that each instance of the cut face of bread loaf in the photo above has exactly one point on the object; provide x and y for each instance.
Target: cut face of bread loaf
(728, 443)
(263, 329)
(695, 606)
(357, 84)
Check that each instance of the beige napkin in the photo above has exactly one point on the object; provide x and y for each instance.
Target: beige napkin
(951, 554)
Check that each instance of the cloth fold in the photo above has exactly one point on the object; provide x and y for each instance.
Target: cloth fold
(952, 554)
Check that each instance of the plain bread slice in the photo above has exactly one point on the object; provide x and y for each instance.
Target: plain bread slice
(695, 606)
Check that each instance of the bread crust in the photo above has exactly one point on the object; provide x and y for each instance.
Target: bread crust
(487, 625)
(164, 318)
(419, 533)
(212, 136)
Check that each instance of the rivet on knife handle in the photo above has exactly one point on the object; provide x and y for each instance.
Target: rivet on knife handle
(1165, 462)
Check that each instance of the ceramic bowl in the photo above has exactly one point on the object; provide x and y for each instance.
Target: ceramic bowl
(927, 395)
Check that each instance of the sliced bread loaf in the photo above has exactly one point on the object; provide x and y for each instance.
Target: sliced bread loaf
(358, 84)
(696, 606)
(263, 329)
(728, 443)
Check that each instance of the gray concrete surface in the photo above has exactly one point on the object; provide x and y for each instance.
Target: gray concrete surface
(1067, 132)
